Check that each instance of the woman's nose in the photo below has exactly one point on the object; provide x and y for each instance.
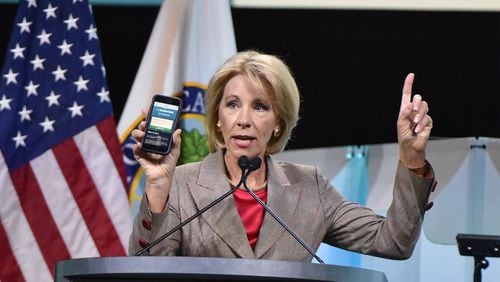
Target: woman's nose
(244, 119)
(243, 123)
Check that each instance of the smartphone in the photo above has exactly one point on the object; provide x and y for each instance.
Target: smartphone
(161, 123)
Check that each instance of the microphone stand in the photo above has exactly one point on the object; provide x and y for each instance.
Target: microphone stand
(282, 223)
(162, 237)
(245, 171)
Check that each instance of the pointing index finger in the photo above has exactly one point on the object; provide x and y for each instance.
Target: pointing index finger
(407, 88)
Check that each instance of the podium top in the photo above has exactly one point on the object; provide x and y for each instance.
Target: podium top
(206, 269)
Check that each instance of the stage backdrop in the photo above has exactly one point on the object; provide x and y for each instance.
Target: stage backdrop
(349, 64)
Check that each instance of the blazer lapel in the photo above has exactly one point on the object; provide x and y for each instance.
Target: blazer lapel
(223, 218)
(283, 198)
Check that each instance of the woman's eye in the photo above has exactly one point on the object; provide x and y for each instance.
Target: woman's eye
(232, 104)
(261, 107)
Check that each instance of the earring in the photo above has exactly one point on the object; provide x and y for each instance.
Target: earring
(276, 132)
(218, 126)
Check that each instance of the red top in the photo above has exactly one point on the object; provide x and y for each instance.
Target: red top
(251, 212)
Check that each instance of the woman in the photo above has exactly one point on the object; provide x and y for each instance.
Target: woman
(252, 107)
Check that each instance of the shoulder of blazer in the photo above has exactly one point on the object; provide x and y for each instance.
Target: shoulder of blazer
(193, 171)
(293, 172)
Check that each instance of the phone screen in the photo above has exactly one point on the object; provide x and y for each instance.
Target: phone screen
(161, 125)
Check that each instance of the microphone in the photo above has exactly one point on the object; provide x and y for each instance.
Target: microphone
(254, 165)
(246, 167)
(244, 164)
(251, 165)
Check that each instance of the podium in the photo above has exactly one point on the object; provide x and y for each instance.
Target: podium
(153, 268)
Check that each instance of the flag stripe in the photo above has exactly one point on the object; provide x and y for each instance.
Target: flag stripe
(90, 203)
(18, 232)
(107, 129)
(10, 270)
(93, 148)
(38, 215)
(68, 217)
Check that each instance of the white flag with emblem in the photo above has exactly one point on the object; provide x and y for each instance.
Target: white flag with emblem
(189, 41)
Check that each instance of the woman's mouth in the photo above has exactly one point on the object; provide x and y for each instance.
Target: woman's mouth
(243, 141)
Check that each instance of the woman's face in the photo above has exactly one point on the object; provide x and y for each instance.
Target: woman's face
(246, 117)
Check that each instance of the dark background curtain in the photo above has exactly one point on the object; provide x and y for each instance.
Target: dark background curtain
(349, 65)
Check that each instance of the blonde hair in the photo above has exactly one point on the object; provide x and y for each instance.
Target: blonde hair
(270, 75)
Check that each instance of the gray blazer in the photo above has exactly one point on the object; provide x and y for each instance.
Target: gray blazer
(302, 197)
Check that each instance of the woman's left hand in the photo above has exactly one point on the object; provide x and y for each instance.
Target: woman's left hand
(414, 127)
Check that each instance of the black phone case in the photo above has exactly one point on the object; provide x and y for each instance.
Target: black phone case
(167, 100)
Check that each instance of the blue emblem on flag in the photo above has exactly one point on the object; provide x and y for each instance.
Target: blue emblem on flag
(194, 140)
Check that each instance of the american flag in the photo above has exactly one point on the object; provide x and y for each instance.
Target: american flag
(63, 191)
